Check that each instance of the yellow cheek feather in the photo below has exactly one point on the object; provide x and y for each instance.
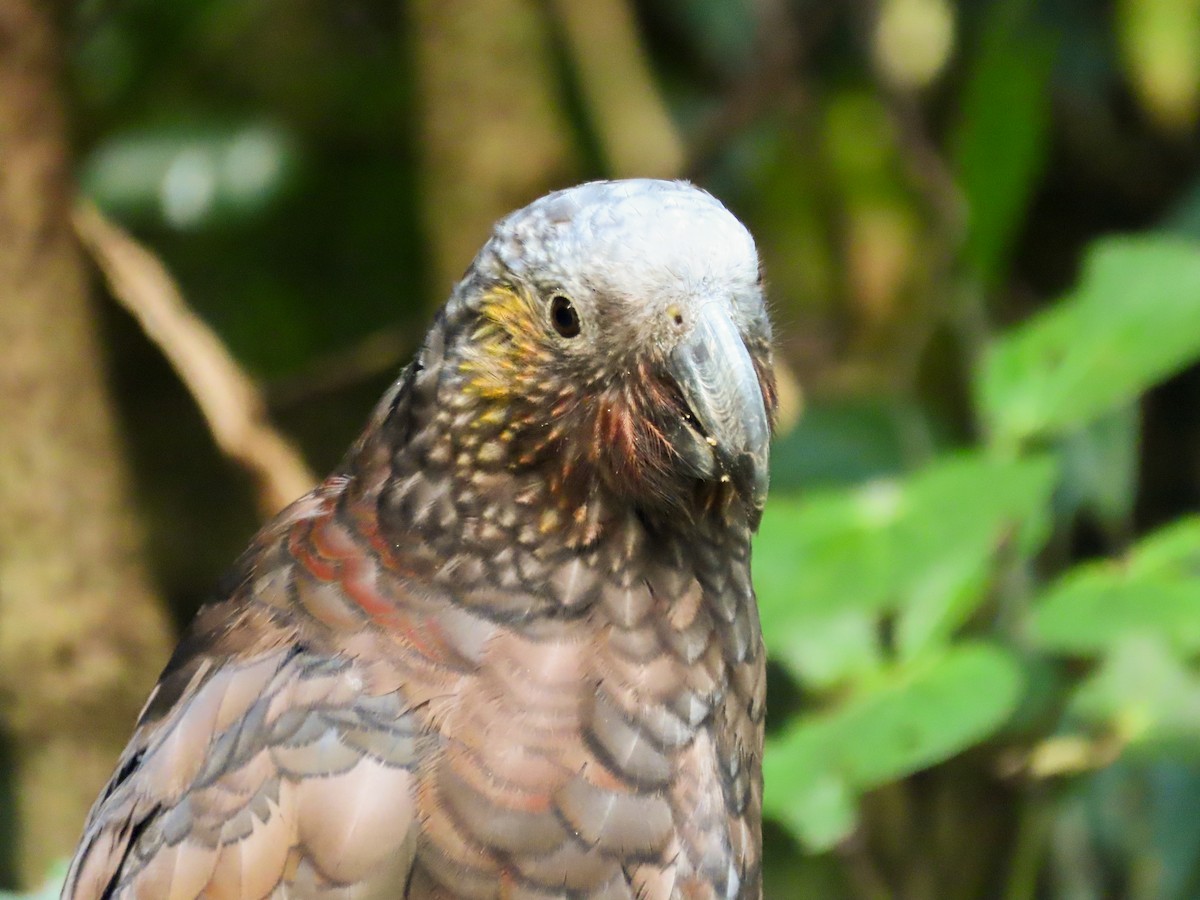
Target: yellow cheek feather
(507, 348)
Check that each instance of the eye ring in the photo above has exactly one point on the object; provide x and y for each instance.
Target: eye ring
(564, 317)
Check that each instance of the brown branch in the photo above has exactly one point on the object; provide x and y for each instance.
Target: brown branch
(380, 352)
(229, 400)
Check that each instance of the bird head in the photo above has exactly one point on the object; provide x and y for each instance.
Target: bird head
(615, 336)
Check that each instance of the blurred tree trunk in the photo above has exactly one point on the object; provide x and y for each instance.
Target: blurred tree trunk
(627, 112)
(81, 632)
(494, 134)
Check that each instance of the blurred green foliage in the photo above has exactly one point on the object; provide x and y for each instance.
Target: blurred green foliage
(1133, 320)
(909, 608)
(979, 572)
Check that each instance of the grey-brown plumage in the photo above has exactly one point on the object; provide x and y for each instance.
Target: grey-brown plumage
(510, 649)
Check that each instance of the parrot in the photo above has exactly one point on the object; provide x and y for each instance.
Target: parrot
(510, 647)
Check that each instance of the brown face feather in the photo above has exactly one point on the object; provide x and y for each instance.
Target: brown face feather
(593, 425)
(633, 454)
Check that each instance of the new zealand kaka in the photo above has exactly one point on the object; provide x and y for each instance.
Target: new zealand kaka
(510, 648)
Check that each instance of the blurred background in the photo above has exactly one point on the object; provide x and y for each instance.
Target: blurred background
(980, 568)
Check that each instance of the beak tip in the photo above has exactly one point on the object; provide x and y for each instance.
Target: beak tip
(751, 478)
(720, 384)
(762, 481)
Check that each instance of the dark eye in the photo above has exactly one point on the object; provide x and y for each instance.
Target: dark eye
(564, 317)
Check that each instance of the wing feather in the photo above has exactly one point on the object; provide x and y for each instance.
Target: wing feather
(280, 769)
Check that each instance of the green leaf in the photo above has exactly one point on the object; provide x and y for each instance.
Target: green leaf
(1092, 610)
(1099, 468)
(841, 646)
(817, 806)
(915, 716)
(1155, 592)
(827, 566)
(928, 714)
(1133, 320)
(1145, 695)
(1172, 550)
(999, 140)
(939, 603)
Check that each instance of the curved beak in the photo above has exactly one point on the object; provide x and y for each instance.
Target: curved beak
(716, 376)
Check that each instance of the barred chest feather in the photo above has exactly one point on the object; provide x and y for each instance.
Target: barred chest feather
(593, 709)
